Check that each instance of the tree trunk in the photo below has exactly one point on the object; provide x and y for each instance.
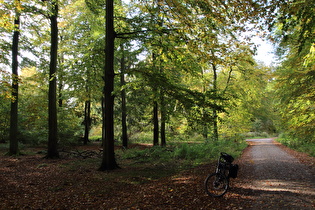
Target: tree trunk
(163, 119)
(60, 82)
(14, 147)
(204, 113)
(155, 110)
(215, 126)
(156, 124)
(60, 87)
(52, 99)
(205, 131)
(123, 101)
(108, 160)
(214, 113)
(87, 121)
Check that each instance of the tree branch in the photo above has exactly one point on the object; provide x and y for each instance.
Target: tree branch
(125, 35)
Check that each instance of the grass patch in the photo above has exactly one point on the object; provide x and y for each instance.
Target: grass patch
(205, 152)
(185, 154)
(95, 138)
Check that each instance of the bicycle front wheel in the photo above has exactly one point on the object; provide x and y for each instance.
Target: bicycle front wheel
(216, 184)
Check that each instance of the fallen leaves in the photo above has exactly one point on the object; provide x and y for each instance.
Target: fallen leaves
(74, 183)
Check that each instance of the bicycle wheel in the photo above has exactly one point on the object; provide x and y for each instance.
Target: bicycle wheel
(216, 184)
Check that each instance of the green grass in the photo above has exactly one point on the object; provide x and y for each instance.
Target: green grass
(148, 164)
(95, 138)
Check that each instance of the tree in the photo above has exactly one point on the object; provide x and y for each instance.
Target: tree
(15, 83)
(294, 30)
(108, 160)
(123, 98)
(52, 95)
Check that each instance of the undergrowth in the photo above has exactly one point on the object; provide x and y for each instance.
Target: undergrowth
(298, 145)
(186, 153)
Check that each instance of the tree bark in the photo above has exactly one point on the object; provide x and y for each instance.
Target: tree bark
(123, 101)
(204, 112)
(163, 119)
(108, 160)
(155, 110)
(60, 87)
(87, 121)
(156, 124)
(214, 112)
(14, 146)
(52, 99)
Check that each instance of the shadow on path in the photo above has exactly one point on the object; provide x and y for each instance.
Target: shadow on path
(274, 179)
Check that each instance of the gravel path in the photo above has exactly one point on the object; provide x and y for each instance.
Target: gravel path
(276, 179)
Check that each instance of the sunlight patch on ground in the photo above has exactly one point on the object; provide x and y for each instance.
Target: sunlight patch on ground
(183, 180)
(283, 186)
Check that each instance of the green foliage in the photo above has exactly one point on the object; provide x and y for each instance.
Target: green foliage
(257, 135)
(298, 144)
(95, 138)
(141, 137)
(5, 99)
(153, 154)
(204, 152)
(185, 55)
(295, 76)
(187, 153)
(70, 127)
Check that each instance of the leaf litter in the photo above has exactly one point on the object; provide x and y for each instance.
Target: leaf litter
(31, 182)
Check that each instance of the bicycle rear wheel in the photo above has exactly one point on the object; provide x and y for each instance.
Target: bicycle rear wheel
(216, 184)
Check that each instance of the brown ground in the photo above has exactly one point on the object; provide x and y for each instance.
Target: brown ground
(31, 182)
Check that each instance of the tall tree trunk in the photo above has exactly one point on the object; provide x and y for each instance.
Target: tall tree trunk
(14, 147)
(87, 110)
(123, 101)
(87, 121)
(155, 110)
(163, 119)
(214, 113)
(156, 124)
(204, 113)
(108, 160)
(60, 82)
(52, 99)
(163, 124)
(60, 87)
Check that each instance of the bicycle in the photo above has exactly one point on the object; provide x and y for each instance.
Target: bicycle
(217, 183)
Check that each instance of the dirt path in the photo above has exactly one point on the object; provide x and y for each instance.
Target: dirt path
(276, 179)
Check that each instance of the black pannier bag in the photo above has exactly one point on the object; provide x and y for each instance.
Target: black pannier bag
(228, 158)
(233, 170)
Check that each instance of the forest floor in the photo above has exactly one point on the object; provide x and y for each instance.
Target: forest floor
(73, 182)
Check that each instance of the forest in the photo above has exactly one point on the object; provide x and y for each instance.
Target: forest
(159, 72)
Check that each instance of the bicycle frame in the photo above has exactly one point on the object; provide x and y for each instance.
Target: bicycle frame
(217, 183)
(223, 166)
